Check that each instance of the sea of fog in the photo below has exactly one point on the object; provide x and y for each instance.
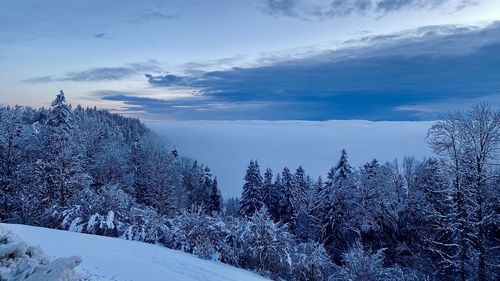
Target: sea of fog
(227, 146)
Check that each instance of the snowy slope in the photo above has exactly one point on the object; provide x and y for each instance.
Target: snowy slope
(117, 259)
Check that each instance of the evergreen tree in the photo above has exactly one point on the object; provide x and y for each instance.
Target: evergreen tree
(12, 145)
(300, 190)
(232, 207)
(61, 160)
(275, 212)
(215, 198)
(428, 222)
(317, 209)
(286, 200)
(337, 232)
(270, 194)
(251, 199)
(204, 190)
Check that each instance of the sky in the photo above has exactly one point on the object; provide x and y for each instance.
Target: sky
(253, 59)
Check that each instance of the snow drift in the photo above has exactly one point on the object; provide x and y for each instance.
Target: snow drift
(19, 261)
(105, 258)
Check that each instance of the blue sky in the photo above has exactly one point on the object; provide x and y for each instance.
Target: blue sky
(253, 59)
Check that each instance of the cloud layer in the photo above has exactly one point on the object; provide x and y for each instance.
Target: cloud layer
(314, 145)
(395, 77)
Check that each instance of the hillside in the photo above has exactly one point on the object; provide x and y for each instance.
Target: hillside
(116, 259)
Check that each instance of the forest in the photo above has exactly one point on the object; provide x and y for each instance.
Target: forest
(91, 171)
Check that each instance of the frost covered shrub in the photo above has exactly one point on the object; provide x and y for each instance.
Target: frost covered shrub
(146, 225)
(233, 248)
(361, 266)
(311, 262)
(268, 246)
(199, 234)
(102, 212)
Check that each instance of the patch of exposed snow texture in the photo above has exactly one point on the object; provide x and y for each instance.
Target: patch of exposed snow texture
(21, 262)
(117, 259)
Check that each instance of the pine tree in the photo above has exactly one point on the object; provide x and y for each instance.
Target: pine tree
(270, 194)
(300, 190)
(215, 198)
(317, 209)
(62, 159)
(286, 201)
(343, 170)
(337, 232)
(251, 199)
(275, 212)
(12, 145)
(205, 190)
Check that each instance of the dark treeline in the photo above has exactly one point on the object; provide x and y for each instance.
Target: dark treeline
(87, 170)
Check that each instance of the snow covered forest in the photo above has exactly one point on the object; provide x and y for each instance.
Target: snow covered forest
(91, 171)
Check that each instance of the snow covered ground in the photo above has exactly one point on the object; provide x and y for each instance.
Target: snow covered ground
(107, 258)
(227, 146)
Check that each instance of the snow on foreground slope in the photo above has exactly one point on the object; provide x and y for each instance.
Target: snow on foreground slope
(117, 259)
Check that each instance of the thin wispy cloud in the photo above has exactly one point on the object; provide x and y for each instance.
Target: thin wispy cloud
(29, 21)
(150, 15)
(100, 73)
(325, 9)
(102, 35)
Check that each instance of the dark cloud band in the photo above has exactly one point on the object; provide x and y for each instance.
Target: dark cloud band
(387, 80)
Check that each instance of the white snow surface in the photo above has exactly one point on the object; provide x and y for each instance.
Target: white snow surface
(106, 258)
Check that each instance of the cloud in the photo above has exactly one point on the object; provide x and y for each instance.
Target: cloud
(314, 145)
(285, 7)
(166, 80)
(323, 9)
(100, 73)
(40, 79)
(371, 78)
(101, 35)
(150, 15)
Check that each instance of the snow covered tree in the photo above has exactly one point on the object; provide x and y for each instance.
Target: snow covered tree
(428, 223)
(205, 189)
(215, 198)
(316, 209)
(480, 129)
(61, 161)
(251, 198)
(270, 194)
(444, 138)
(343, 169)
(231, 207)
(469, 142)
(300, 189)
(13, 144)
(286, 200)
(339, 199)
